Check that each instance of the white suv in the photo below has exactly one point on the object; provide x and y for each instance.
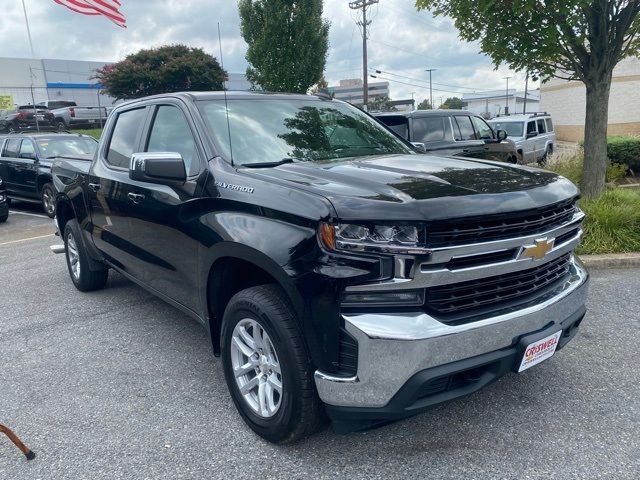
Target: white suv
(532, 134)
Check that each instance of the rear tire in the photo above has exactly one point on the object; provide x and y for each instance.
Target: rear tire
(4, 218)
(261, 334)
(49, 200)
(82, 277)
(60, 125)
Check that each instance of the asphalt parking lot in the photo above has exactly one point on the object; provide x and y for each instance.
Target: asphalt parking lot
(117, 384)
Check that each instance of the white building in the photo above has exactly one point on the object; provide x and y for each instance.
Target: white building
(492, 103)
(566, 102)
(23, 81)
(352, 90)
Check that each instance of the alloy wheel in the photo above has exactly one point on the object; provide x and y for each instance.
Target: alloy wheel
(256, 368)
(73, 256)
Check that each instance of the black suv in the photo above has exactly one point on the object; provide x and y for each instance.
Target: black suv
(451, 132)
(24, 118)
(25, 163)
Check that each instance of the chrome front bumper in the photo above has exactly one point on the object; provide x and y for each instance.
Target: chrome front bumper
(394, 347)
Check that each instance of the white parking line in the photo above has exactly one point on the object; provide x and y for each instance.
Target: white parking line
(30, 214)
(26, 239)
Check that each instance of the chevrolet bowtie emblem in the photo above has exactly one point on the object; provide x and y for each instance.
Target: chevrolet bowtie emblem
(539, 250)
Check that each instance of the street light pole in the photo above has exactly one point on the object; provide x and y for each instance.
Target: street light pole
(430, 86)
(506, 97)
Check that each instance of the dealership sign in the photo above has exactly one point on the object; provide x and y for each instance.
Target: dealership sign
(6, 102)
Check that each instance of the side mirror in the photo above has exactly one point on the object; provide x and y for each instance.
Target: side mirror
(501, 135)
(532, 134)
(165, 168)
(29, 155)
(419, 147)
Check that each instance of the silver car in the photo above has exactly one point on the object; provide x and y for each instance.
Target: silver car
(532, 134)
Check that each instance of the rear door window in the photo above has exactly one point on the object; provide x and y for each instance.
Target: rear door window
(11, 148)
(428, 129)
(466, 128)
(124, 139)
(541, 126)
(531, 128)
(549, 125)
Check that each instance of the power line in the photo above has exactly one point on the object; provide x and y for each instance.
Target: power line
(435, 83)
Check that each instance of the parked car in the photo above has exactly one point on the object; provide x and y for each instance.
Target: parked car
(4, 204)
(25, 164)
(24, 118)
(54, 104)
(532, 133)
(451, 132)
(333, 267)
(79, 117)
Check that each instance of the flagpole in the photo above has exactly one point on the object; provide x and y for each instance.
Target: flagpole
(26, 21)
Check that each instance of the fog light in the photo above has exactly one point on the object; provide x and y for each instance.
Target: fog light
(405, 298)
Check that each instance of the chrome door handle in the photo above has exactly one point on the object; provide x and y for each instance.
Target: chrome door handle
(94, 186)
(135, 197)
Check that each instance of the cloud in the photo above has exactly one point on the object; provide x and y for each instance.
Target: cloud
(402, 40)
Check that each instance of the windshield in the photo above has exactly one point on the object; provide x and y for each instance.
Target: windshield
(513, 129)
(272, 130)
(60, 147)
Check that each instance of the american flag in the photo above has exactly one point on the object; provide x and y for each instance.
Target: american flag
(107, 8)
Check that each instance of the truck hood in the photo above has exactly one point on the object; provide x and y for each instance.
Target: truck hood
(422, 187)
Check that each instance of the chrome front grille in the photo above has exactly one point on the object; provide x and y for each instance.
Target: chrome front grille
(472, 281)
(499, 226)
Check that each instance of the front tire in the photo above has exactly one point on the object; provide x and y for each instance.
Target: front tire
(4, 218)
(267, 366)
(82, 277)
(49, 200)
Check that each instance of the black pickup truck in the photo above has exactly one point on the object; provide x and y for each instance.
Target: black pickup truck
(335, 269)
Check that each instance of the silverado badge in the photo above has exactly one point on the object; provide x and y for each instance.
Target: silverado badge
(539, 250)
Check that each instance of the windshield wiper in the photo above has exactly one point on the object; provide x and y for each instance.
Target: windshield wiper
(267, 164)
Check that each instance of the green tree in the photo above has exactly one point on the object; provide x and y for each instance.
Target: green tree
(172, 68)
(453, 103)
(424, 105)
(570, 39)
(288, 42)
(321, 86)
(381, 104)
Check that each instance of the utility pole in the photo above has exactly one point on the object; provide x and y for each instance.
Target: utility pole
(526, 92)
(506, 97)
(364, 23)
(430, 89)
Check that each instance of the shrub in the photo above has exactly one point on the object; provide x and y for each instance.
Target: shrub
(570, 166)
(612, 224)
(625, 150)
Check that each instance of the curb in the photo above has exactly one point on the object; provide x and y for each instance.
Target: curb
(613, 260)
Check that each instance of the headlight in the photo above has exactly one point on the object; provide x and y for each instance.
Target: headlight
(371, 238)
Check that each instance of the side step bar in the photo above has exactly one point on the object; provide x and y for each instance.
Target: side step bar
(57, 248)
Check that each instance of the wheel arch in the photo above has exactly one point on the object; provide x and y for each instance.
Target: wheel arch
(233, 267)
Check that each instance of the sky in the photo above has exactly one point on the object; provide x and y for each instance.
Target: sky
(403, 42)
